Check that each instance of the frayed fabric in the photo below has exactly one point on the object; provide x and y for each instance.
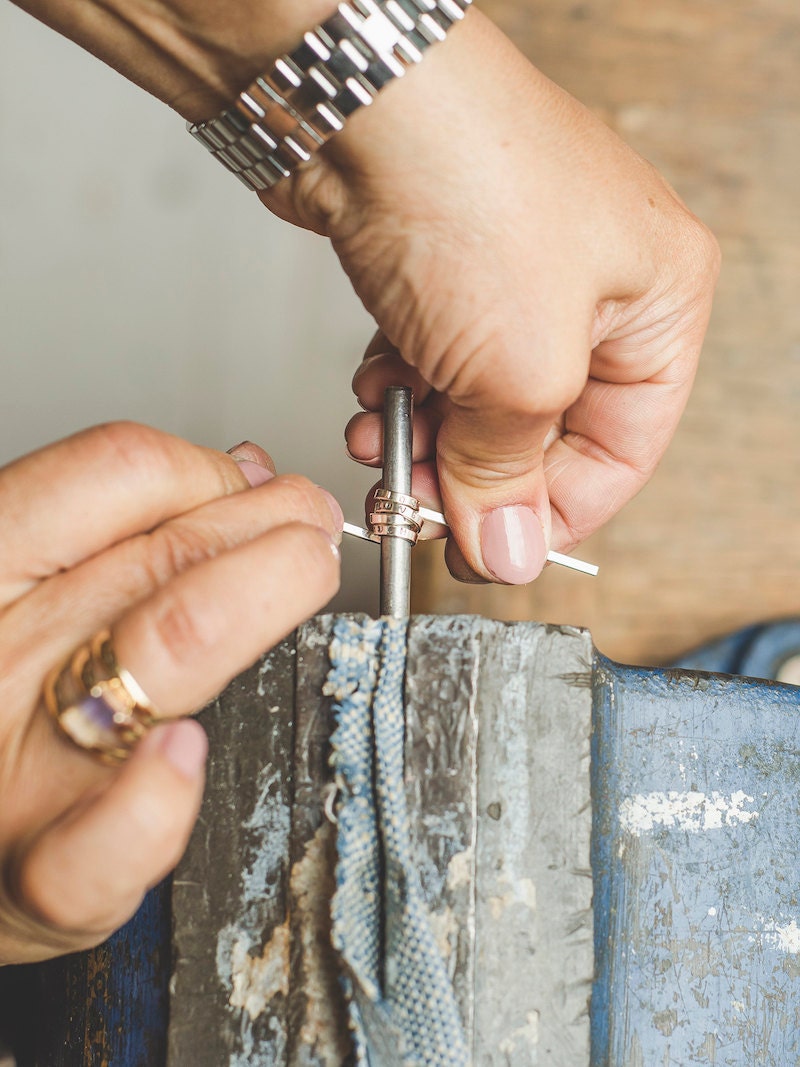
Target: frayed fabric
(402, 1009)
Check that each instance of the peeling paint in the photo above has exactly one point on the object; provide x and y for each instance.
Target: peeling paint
(257, 979)
(445, 931)
(666, 1021)
(460, 869)
(323, 1028)
(693, 812)
(527, 1036)
(522, 891)
(783, 935)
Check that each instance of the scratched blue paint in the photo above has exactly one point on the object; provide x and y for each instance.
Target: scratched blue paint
(128, 1005)
(696, 952)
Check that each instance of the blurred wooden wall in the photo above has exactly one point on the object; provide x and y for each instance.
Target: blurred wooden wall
(709, 91)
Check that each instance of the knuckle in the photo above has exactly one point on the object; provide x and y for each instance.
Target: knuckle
(150, 560)
(132, 446)
(182, 629)
(176, 547)
(710, 251)
(141, 457)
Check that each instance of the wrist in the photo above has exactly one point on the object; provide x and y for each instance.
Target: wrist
(309, 94)
(425, 133)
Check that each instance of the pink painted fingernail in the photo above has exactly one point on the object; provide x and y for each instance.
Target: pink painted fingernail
(254, 472)
(185, 746)
(512, 544)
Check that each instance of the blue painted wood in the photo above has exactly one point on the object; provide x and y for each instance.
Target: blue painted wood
(104, 1008)
(696, 855)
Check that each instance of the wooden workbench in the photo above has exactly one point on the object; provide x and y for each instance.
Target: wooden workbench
(710, 94)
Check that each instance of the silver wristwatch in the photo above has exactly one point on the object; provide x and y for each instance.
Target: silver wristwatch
(286, 114)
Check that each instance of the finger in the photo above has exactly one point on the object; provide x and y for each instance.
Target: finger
(364, 436)
(381, 370)
(57, 616)
(494, 493)
(63, 613)
(254, 463)
(458, 566)
(86, 874)
(490, 447)
(188, 640)
(613, 438)
(73, 499)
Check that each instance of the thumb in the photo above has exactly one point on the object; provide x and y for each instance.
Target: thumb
(491, 444)
(491, 476)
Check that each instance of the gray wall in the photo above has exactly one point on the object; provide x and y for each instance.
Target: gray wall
(139, 281)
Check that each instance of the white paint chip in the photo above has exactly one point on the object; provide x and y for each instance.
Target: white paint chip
(691, 812)
(784, 936)
(257, 979)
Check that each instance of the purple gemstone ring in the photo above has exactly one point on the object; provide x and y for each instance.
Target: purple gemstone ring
(97, 703)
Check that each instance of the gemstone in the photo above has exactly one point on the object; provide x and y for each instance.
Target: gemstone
(91, 723)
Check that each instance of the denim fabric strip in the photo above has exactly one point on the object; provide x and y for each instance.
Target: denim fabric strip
(402, 1006)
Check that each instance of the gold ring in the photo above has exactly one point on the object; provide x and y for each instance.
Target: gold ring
(97, 703)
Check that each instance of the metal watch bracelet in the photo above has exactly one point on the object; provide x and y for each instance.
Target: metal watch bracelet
(290, 111)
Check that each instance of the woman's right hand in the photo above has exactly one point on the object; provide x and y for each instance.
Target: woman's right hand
(126, 527)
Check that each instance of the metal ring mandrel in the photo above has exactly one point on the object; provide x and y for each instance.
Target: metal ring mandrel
(396, 536)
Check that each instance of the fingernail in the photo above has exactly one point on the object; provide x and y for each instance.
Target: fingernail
(366, 363)
(337, 555)
(512, 544)
(254, 472)
(185, 746)
(336, 511)
(373, 461)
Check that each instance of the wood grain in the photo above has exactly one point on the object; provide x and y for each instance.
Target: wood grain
(497, 781)
(710, 94)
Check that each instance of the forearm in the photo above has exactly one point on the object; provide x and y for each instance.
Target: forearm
(194, 55)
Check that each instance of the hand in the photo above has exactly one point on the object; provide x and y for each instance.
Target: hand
(542, 287)
(537, 283)
(126, 527)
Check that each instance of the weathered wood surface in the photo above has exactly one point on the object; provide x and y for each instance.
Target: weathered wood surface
(102, 1008)
(231, 939)
(497, 778)
(695, 823)
(710, 93)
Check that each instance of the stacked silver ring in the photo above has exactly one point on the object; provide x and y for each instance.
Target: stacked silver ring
(395, 515)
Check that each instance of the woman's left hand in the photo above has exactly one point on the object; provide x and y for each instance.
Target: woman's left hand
(197, 563)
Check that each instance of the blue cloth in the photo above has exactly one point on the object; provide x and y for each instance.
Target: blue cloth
(402, 1008)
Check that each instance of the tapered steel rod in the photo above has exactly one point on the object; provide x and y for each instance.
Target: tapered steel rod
(395, 552)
